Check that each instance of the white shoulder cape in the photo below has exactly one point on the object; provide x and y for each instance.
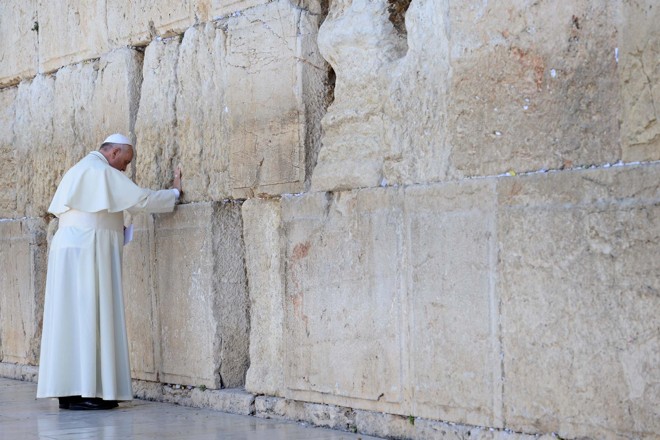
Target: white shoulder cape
(92, 185)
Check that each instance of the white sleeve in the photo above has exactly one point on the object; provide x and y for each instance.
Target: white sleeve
(155, 202)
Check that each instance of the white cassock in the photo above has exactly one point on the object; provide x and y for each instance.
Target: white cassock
(84, 348)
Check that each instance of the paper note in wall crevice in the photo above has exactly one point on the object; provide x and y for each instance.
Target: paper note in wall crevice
(128, 234)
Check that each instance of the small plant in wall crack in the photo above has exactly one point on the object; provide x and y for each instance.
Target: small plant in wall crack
(411, 420)
(35, 27)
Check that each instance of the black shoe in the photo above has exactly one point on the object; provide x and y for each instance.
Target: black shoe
(92, 403)
(66, 401)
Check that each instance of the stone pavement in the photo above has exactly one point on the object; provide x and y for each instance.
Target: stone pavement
(23, 417)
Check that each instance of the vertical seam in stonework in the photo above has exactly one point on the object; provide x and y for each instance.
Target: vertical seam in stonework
(495, 270)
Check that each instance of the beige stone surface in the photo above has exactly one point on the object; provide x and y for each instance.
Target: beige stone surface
(264, 264)
(639, 64)
(454, 324)
(140, 299)
(8, 153)
(269, 66)
(202, 296)
(19, 36)
(70, 32)
(228, 103)
(23, 262)
(65, 116)
(344, 315)
(224, 8)
(469, 88)
(533, 87)
(578, 276)
(139, 22)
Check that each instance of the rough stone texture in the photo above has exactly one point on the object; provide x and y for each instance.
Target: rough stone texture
(28, 373)
(533, 86)
(199, 280)
(228, 103)
(264, 261)
(23, 261)
(378, 424)
(138, 22)
(223, 8)
(454, 322)
(70, 32)
(8, 187)
(142, 317)
(640, 76)
(19, 36)
(417, 260)
(336, 346)
(579, 280)
(235, 401)
(476, 89)
(65, 116)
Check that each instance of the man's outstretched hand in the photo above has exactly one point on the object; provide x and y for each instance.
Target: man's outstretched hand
(177, 179)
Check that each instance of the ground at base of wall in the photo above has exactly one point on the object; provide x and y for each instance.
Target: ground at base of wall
(238, 401)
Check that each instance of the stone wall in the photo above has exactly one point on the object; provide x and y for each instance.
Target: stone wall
(410, 219)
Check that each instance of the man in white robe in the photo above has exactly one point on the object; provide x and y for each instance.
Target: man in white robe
(84, 349)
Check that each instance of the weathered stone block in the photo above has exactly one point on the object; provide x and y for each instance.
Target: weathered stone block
(533, 87)
(344, 315)
(454, 340)
(70, 32)
(579, 278)
(264, 101)
(142, 317)
(138, 22)
(202, 295)
(223, 8)
(640, 80)
(264, 261)
(23, 260)
(242, 127)
(19, 30)
(8, 187)
(66, 115)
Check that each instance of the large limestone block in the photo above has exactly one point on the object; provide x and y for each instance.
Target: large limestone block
(138, 22)
(19, 35)
(533, 86)
(70, 32)
(639, 63)
(359, 42)
(8, 153)
(455, 342)
(202, 295)
(156, 147)
(264, 262)
(33, 132)
(142, 318)
(23, 261)
(223, 8)
(234, 103)
(273, 74)
(66, 115)
(579, 277)
(345, 308)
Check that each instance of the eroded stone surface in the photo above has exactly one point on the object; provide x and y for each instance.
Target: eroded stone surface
(579, 283)
(70, 33)
(139, 22)
(23, 259)
(202, 296)
(454, 334)
(335, 344)
(264, 261)
(228, 103)
(19, 29)
(639, 61)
